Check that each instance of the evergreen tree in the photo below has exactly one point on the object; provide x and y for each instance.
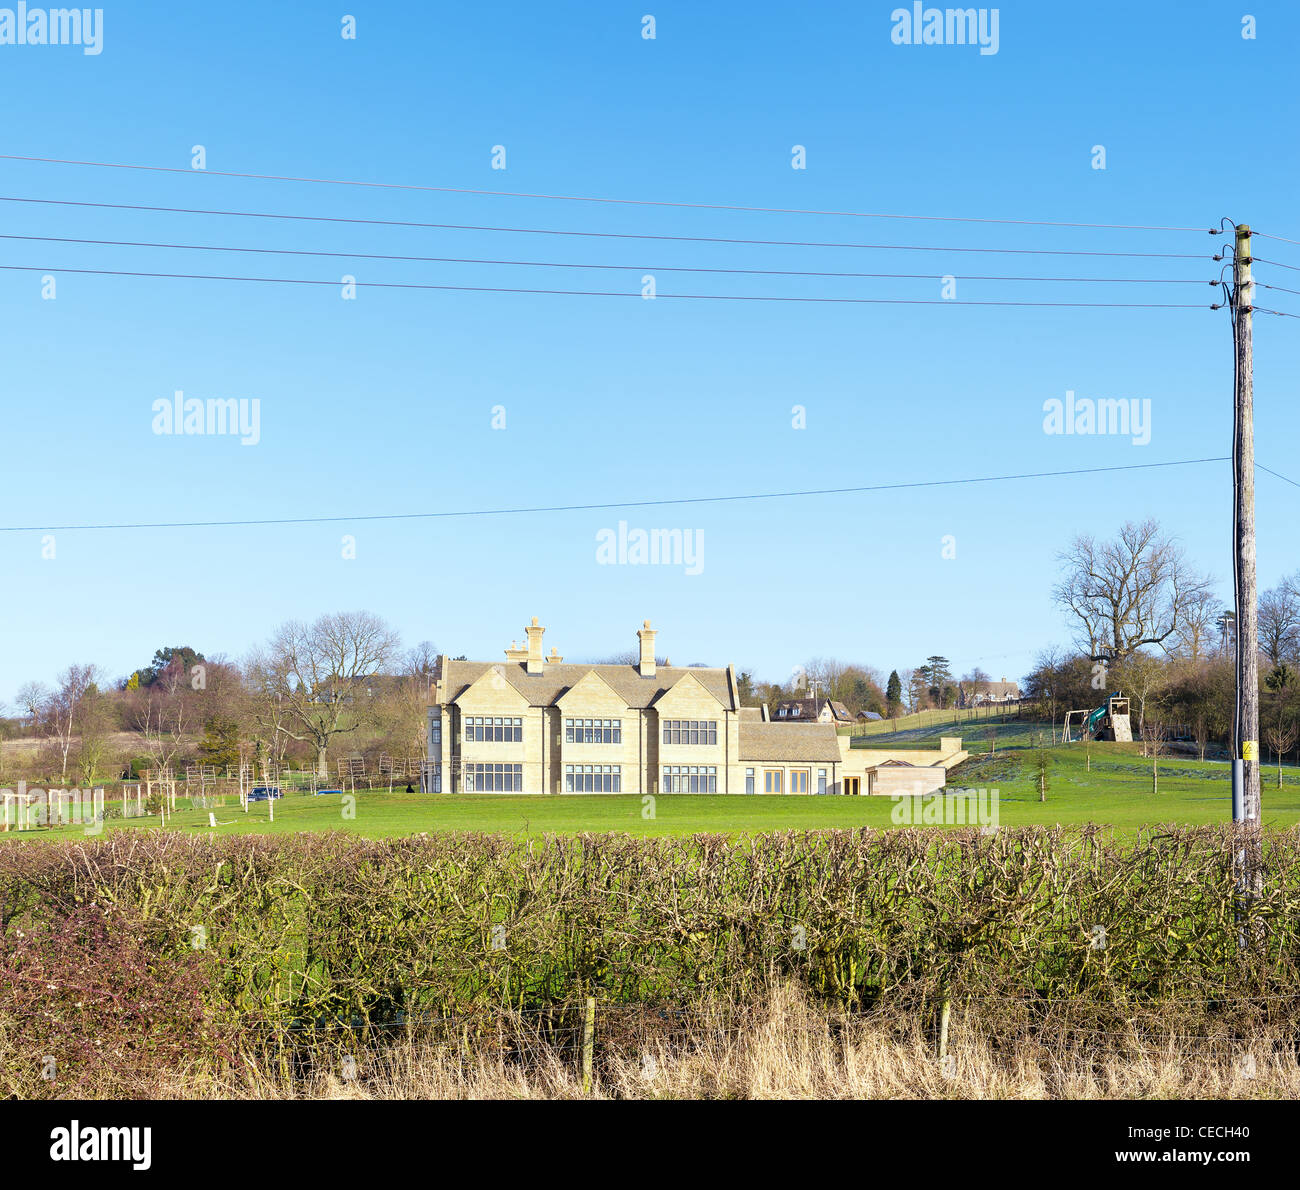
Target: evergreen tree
(894, 693)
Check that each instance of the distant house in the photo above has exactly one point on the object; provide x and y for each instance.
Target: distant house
(812, 710)
(979, 694)
(869, 717)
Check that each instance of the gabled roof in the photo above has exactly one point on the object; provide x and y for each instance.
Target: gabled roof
(781, 742)
(689, 679)
(488, 680)
(544, 689)
(807, 709)
(589, 679)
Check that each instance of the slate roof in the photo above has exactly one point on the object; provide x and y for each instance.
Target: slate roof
(779, 742)
(544, 689)
(809, 709)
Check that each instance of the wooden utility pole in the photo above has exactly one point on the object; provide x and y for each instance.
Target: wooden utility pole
(1246, 806)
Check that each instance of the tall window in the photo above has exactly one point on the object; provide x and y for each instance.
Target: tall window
(690, 731)
(798, 780)
(821, 782)
(593, 778)
(435, 731)
(593, 731)
(693, 778)
(494, 730)
(494, 778)
(749, 780)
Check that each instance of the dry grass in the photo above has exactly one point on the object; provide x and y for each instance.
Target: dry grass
(788, 1050)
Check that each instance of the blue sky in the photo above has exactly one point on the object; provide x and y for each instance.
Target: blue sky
(384, 404)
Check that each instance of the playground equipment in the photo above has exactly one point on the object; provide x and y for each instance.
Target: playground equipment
(1110, 721)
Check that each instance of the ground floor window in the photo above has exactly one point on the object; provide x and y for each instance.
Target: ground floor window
(494, 778)
(749, 780)
(798, 780)
(593, 778)
(773, 781)
(689, 778)
(821, 782)
(432, 777)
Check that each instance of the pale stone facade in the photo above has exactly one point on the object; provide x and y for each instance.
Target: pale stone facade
(533, 724)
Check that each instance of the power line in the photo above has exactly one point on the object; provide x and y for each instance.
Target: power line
(1276, 264)
(1279, 313)
(639, 202)
(614, 293)
(1278, 475)
(558, 264)
(1282, 239)
(607, 506)
(604, 235)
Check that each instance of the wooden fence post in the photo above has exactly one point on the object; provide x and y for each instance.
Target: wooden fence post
(945, 1014)
(588, 1043)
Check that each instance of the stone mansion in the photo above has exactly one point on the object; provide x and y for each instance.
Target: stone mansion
(532, 724)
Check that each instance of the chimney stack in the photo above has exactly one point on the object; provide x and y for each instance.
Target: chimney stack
(534, 663)
(646, 635)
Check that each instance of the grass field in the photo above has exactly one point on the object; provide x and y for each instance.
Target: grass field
(1116, 791)
(952, 721)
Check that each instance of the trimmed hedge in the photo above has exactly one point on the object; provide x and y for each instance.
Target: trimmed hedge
(314, 930)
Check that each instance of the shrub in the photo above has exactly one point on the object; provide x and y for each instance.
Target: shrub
(323, 927)
(89, 1006)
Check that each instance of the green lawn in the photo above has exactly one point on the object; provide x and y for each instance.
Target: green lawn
(1117, 791)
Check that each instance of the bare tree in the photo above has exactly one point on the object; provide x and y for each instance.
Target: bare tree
(918, 692)
(423, 659)
(1201, 730)
(1127, 593)
(1042, 767)
(160, 715)
(1142, 675)
(63, 706)
(1154, 736)
(323, 673)
(1282, 739)
(1199, 630)
(262, 711)
(1279, 623)
(92, 722)
(404, 708)
(33, 699)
